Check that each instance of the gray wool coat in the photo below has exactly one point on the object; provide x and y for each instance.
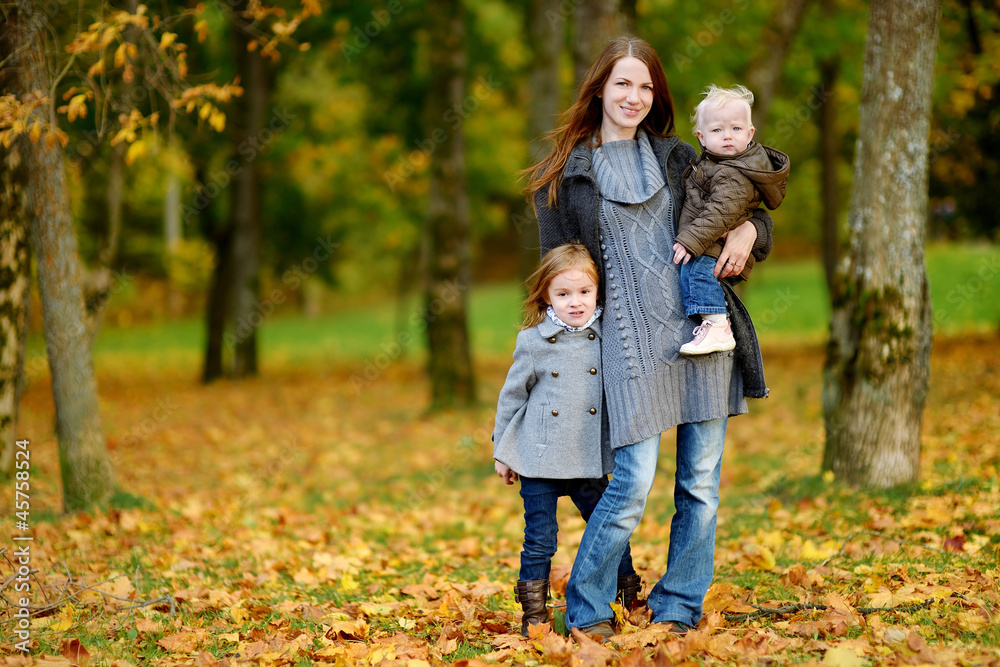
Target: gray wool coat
(549, 414)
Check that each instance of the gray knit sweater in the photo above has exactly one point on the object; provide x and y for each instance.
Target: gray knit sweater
(648, 386)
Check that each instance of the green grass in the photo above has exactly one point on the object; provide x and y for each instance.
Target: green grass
(787, 300)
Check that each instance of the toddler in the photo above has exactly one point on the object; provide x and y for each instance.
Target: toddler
(733, 176)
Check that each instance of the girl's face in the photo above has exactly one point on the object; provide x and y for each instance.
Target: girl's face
(627, 97)
(573, 296)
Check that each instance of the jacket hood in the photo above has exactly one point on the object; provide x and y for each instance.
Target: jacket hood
(767, 167)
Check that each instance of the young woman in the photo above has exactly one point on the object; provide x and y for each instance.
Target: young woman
(613, 181)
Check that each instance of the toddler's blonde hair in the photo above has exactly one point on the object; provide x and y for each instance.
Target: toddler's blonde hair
(716, 97)
(559, 259)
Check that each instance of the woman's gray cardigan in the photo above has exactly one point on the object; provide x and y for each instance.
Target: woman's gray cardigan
(576, 218)
(549, 414)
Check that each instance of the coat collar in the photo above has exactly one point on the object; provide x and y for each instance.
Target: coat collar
(547, 328)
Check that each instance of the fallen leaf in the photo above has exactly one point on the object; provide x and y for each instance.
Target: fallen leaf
(185, 641)
(842, 657)
(74, 651)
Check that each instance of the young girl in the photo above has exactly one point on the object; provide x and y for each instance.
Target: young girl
(548, 425)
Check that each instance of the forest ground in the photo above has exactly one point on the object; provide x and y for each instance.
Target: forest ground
(317, 514)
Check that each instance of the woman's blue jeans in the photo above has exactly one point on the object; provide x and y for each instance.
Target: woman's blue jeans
(679, 593)
(541, 497)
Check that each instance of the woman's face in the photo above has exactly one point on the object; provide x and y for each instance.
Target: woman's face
(627, 97)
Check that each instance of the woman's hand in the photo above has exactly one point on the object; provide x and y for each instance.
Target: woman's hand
(739, 243)
(506, 474)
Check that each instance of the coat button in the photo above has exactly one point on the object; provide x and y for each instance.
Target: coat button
(593, 371)
(555, 413)
(591, 337)
(555, 374)
(593, 411)
(552, 340)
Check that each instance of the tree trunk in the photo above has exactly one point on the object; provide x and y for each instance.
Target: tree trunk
(15, 274)
(546, 36)
(765, 77)
(595, 23)
(829, 158)
(245, 203)
(98, 281)
(87, 475)
(447, 233)
(878, 358)
(172, 236)
(234, 314)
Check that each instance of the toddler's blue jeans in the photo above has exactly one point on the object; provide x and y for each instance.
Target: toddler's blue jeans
(701, 292)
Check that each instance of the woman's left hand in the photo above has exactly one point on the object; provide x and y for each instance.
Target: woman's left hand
(739, 243)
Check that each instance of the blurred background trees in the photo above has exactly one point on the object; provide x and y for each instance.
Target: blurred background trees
(235, 165)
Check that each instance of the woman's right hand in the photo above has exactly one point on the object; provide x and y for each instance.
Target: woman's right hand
(506, 474)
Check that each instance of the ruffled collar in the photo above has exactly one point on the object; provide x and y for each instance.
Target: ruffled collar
(555, 319)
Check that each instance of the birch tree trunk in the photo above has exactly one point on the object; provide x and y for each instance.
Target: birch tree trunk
(87, 475)
(878, 357)
(447, 231)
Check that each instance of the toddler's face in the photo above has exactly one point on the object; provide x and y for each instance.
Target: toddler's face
(573, 296)
(726, 130)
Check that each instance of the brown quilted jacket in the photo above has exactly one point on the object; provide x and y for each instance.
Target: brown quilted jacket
(722, 191)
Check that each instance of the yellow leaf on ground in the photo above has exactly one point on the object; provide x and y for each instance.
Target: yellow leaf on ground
(761, 557)
(972, 621)
(842, 657)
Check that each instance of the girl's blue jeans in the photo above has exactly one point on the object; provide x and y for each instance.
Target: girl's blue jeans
(701, 292)
(541, 527)
(679, 593)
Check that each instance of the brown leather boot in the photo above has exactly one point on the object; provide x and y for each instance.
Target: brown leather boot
(532, 595)
(628, 590)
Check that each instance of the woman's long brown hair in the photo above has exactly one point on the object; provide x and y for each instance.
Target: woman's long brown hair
(583, 120)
